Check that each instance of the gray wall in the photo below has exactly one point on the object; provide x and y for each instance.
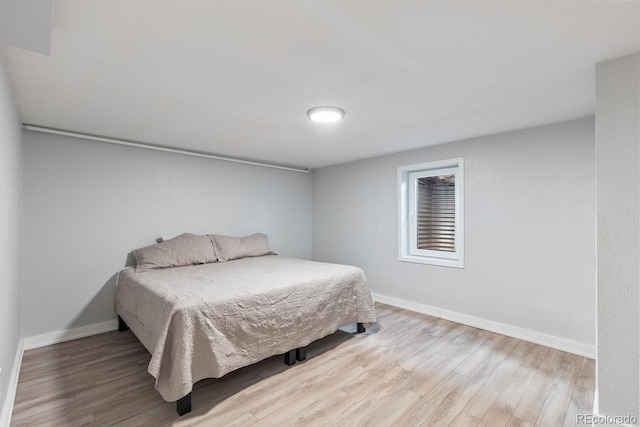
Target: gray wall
(10, 202)
(87, 204)
(27, 24)
(529, 229)
(618, 199)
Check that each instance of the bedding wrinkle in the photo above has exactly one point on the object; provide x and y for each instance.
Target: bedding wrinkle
(210, 319)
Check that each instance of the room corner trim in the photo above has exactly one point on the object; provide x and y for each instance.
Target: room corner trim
(563, 344)
(10, 398)
(70, 334)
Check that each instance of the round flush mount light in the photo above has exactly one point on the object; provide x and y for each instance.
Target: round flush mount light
(325, 114)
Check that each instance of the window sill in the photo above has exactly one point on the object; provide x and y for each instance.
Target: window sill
(454, 263)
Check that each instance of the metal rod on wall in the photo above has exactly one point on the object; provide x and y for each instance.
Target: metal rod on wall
(158, 148)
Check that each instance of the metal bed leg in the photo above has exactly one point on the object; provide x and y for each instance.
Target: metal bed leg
(301, 354)
(361, 328)
(183, 406)
(122, 325)
(290, 357)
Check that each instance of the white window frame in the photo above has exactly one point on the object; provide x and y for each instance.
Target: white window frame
(407, 234)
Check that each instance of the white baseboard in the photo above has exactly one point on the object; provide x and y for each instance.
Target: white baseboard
(41, 341)
(581, 349)
(10, 398)
(38, 341)
(70, 334)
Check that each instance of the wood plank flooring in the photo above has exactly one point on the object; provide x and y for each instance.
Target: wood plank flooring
(406, 370)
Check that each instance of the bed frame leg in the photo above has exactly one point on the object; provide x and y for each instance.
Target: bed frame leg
(122, 325)
(301, 354)
(290, 357)
(361, 328)
(183, 406)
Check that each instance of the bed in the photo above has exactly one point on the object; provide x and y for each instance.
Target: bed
(203, 321)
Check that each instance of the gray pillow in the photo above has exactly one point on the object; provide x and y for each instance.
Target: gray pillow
(228, 248)
(186, 249)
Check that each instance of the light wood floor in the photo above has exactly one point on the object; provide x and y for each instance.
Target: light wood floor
(407, 370)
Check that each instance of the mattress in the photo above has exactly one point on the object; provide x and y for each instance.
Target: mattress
(204, 321)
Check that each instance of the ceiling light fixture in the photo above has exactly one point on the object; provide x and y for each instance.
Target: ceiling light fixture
(325, 114)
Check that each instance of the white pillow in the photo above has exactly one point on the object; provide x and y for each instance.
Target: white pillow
(186, 249)
(228, 248)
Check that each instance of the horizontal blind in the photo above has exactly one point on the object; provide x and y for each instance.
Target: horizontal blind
(436, 213)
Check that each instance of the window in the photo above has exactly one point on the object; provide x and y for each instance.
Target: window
(431, 213)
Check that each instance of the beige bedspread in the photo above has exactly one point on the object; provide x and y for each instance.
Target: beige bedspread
(203, 321)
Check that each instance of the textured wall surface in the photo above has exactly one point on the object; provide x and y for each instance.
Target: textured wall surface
(10, 228)
(529, 229)
(87, 204)
(618, 200)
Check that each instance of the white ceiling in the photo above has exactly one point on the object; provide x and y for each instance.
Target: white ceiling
(236, 77)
